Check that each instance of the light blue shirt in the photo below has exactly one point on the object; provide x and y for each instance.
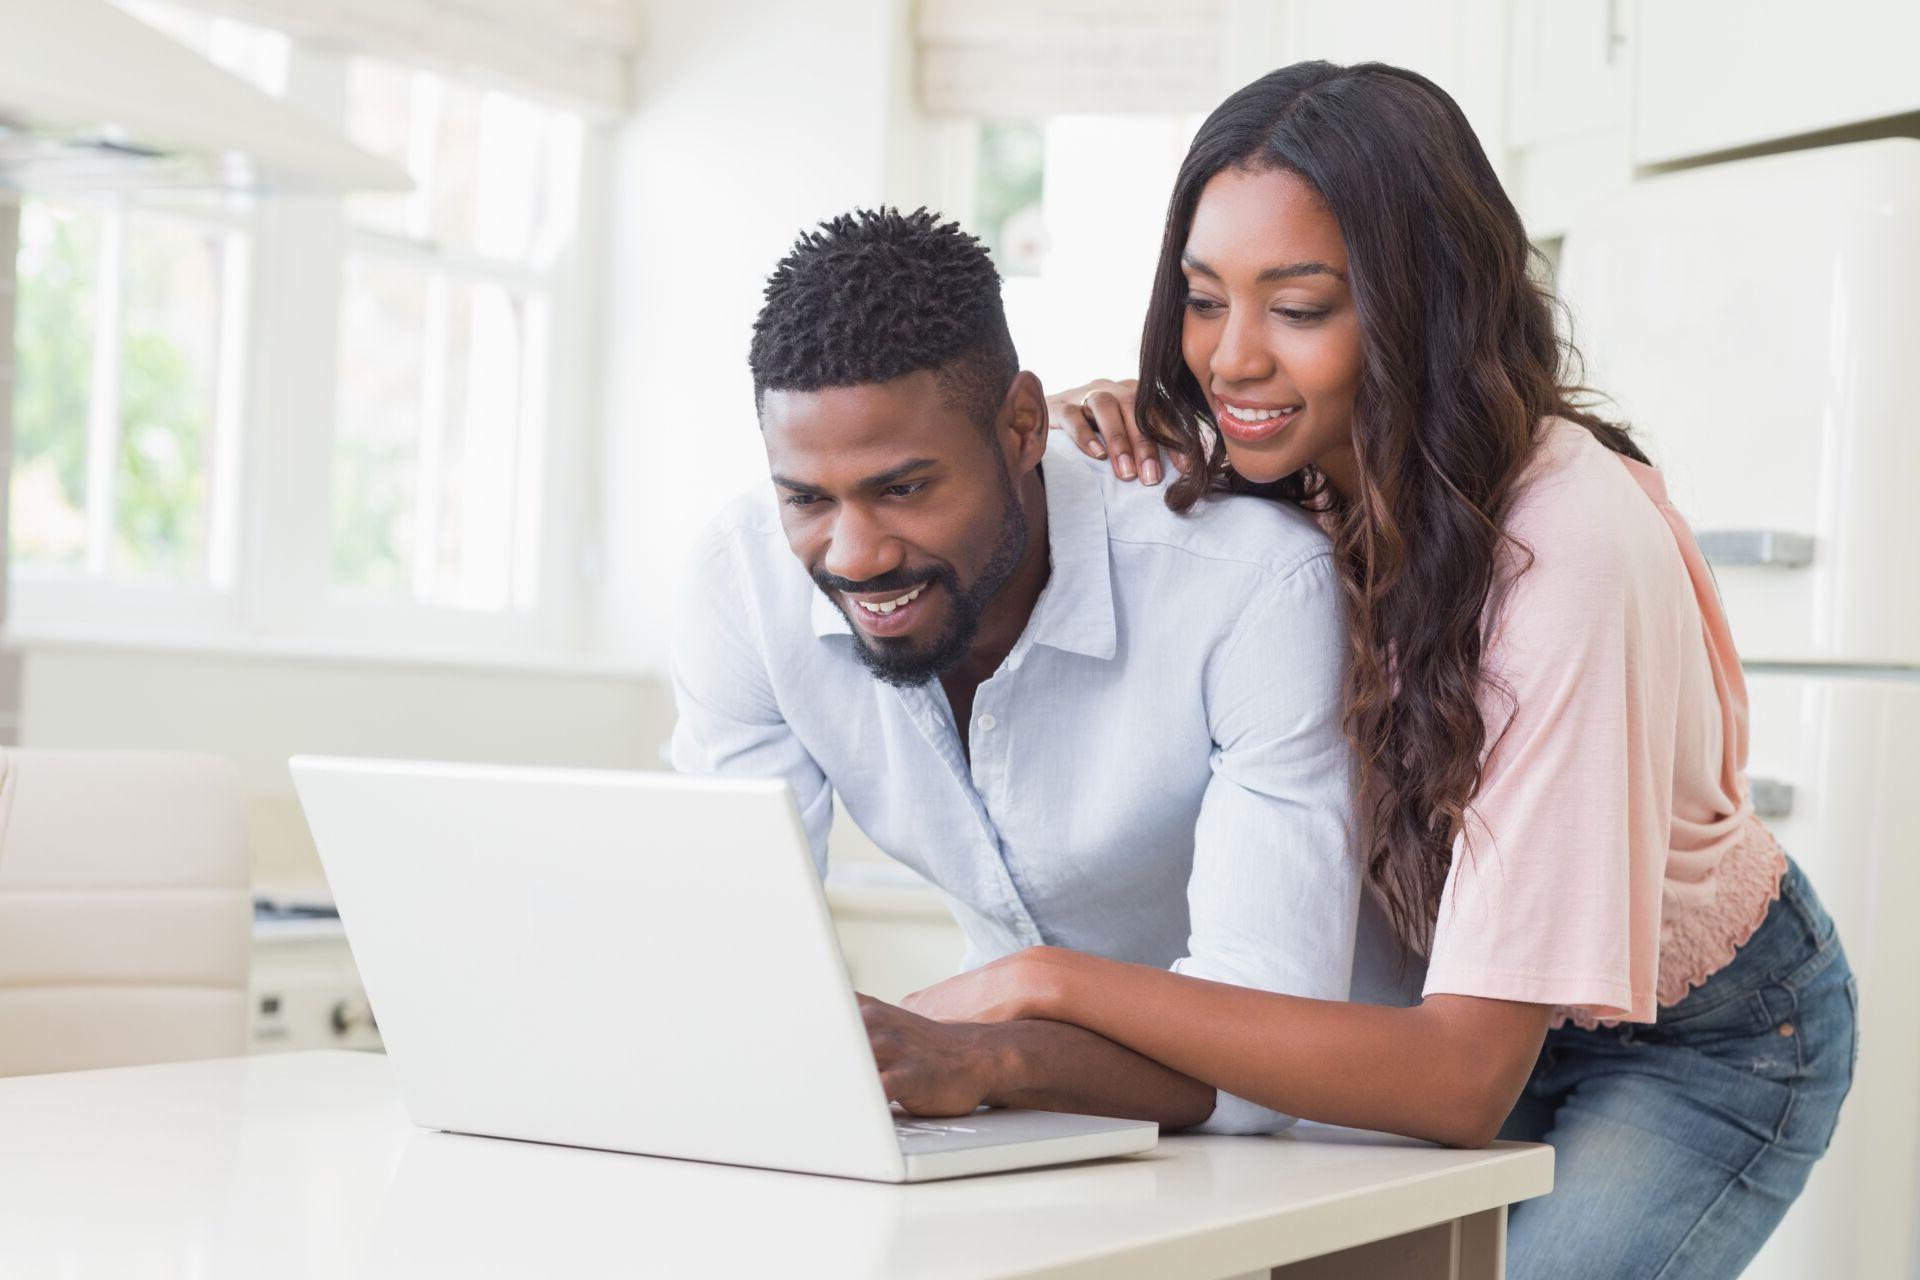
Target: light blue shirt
(1157, 772)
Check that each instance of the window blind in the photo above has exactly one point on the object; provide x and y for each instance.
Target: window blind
(576, 53)
(1027, 58)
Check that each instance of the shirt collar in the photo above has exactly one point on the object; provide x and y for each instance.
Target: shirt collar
(1075, 611)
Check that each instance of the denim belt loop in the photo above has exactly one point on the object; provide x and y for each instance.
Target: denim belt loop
(1778, 1002)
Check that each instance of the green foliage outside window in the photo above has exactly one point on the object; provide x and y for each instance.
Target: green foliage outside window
(165, 412)
(1007, 196)
(53, 360)
(160, 526)
(372, 505)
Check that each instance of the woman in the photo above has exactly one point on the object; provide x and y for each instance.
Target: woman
(1548, 717)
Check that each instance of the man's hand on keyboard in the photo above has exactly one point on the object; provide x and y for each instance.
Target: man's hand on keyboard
(930, 1068)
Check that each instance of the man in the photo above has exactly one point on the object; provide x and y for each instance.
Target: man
(1091, 722)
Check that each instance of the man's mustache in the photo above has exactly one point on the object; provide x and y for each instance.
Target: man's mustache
(901, 580)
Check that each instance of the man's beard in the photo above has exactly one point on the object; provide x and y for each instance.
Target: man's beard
(894, 659)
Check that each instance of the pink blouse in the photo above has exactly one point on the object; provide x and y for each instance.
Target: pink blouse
(1612, 860)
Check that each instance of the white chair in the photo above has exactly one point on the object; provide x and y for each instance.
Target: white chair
(125, 912)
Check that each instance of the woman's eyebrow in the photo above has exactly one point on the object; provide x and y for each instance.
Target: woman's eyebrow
(1289, 272)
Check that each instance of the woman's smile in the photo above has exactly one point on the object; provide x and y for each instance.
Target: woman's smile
(1251, 422)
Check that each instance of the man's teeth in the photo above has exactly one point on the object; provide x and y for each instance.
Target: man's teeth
(891, 605)
(1259, 415)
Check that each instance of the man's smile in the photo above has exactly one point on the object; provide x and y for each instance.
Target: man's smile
(885, 614)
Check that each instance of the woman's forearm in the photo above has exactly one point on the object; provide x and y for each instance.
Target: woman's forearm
(1446, 1070)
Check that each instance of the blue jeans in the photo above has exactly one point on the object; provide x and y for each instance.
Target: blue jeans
(1679, 1145)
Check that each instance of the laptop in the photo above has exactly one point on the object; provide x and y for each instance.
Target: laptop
(634, 962)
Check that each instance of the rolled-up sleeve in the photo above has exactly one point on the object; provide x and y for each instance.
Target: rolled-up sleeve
(1274, 894)
(729, 719)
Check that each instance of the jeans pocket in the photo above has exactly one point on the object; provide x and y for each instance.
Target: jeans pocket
(1728, 1015)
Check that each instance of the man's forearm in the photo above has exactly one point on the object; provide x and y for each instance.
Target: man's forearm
(1055, 1066)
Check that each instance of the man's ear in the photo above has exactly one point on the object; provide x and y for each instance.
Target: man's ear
(1023, 416)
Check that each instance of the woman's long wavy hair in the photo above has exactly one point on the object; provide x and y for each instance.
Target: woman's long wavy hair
(1462, 368)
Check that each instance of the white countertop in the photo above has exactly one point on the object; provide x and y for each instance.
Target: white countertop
(304, 1165)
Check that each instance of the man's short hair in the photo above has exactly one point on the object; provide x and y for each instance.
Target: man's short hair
(875, 295)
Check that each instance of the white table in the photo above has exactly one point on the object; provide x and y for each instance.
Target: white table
(301, 1165)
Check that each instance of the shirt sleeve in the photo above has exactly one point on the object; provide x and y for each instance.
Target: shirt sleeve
(1554, 892)
(729, 719)
(1274, 893)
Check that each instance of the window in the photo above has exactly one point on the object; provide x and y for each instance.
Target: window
(1007, 202)
(446, 300)
(1073, 207)
(128, 354)
(308, 420)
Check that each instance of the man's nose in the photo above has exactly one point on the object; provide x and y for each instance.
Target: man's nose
(859, 547)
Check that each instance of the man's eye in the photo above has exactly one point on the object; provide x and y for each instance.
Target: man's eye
(800, 499)
(904, 490)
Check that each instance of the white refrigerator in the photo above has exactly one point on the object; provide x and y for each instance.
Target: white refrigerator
(1758, 323)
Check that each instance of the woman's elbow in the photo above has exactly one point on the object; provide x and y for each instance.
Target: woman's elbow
(1470, 1133)
(1475, 1117)
(1492, 1053)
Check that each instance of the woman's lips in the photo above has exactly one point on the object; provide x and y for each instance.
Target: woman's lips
(899, 621)
(1268, 425)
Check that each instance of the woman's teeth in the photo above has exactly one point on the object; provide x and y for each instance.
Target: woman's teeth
(890, 605)
(1260, 415)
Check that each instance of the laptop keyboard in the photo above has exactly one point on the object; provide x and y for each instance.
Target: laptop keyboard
(920, 1135)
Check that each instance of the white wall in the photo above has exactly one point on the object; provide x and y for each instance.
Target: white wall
(256, 710)
(756, 118)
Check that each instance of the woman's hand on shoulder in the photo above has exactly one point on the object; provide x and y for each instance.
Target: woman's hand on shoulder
(1099, 417)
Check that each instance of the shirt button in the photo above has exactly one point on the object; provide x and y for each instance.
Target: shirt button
(987, 724)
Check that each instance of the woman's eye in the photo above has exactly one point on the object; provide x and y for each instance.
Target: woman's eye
(1201, 306)
(904, 490)
(1299, 317)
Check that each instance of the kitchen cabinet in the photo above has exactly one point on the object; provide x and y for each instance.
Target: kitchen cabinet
(1764, 349)
(1569, 70)
(1569, 83)
(1546, 84)
(1461, 45)
(1712, 75)
(1833, 753)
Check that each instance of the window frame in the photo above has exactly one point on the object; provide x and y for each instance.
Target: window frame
(92, 599)
(275, 587)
